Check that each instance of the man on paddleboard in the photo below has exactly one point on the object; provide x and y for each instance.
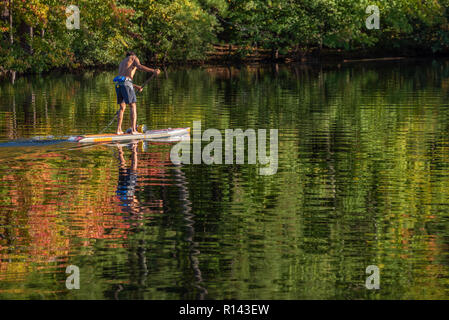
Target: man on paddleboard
(124, 88)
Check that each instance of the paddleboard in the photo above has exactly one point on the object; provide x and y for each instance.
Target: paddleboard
(169, 134)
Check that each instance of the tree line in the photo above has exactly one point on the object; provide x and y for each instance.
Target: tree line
(35, 36)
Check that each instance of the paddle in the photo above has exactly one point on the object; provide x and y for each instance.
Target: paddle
(116, 114)
(146, 81)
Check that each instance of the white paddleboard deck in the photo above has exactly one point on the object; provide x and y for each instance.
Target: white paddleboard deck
(169, 134)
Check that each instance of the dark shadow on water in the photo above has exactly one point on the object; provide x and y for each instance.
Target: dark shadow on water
(30, 143)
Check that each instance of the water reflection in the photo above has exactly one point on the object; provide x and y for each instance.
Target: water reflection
(189, 219)
(362, 180)
(127, 181)
(136, 210)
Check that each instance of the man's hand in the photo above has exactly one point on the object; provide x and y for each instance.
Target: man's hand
(139, 88)
(157, 71)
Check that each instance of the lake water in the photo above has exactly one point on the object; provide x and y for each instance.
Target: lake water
(362, 180)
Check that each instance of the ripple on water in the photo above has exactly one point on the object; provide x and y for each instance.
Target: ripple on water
(361, 180)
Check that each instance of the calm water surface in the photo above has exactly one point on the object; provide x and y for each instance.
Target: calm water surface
(362, 180)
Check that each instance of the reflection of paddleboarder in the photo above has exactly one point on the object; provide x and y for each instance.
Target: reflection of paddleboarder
(127, 180)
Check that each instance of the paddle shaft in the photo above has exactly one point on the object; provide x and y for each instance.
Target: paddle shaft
(148, 80)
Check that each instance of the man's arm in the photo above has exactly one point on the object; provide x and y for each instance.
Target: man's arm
(143, 68)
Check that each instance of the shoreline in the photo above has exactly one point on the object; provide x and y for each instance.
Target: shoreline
(222, 55)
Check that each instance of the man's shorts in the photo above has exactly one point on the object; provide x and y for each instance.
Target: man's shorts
(125, 92)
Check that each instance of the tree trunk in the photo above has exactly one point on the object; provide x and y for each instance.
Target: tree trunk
(164, 58)
(13, 76)
(5, 12)
(275, 54)
(31, 39)
(11, 37)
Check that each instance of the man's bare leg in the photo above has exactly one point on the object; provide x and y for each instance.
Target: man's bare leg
(134, 118)
(121, 157)
(120, 117)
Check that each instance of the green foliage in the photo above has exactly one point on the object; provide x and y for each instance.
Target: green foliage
(285, 24)
(172, 29)
(184, 30)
